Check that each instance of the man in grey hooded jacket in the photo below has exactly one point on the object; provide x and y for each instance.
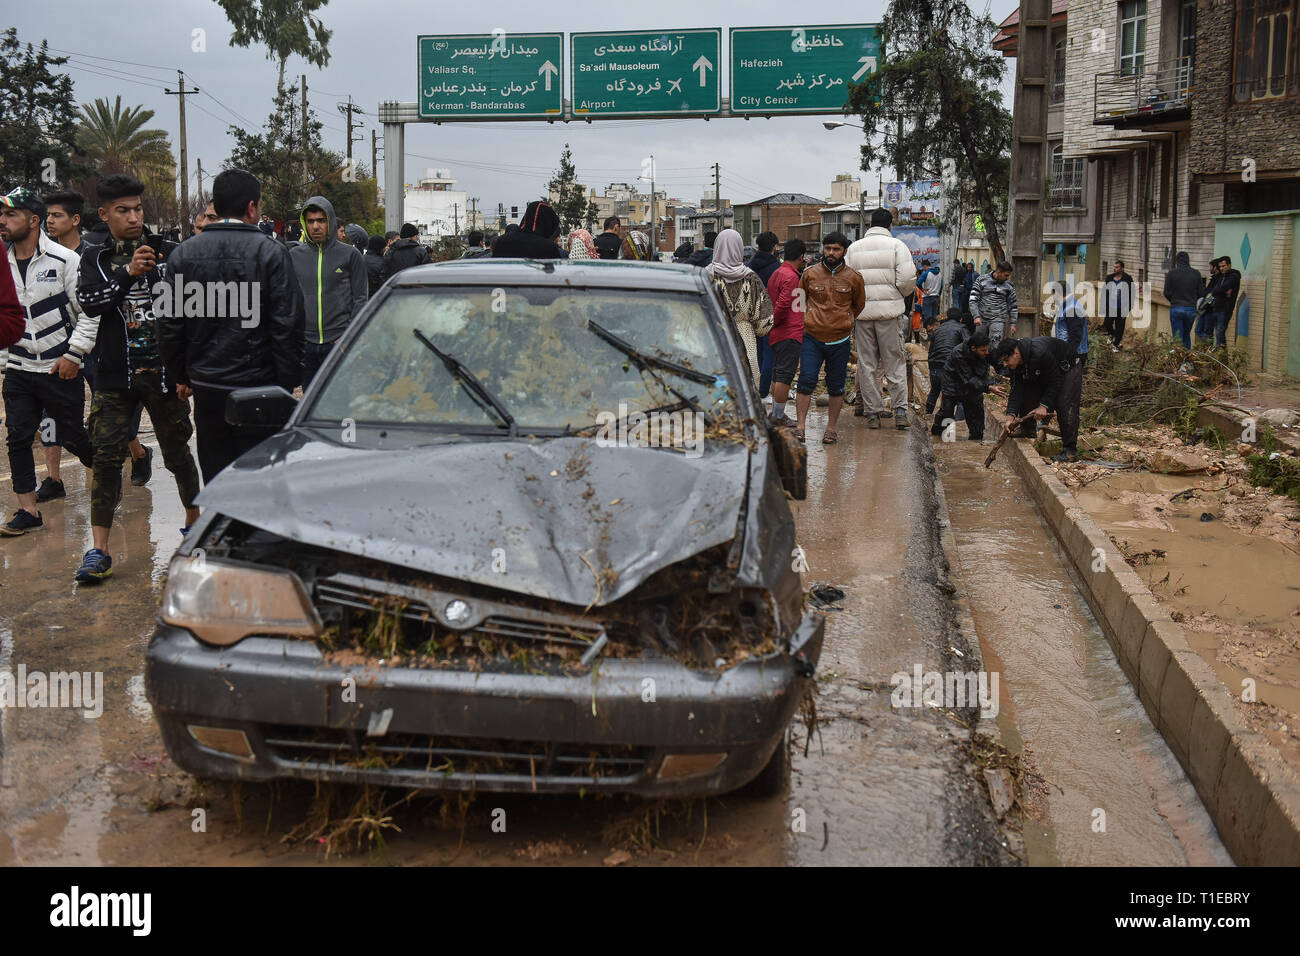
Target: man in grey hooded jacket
(333, 279)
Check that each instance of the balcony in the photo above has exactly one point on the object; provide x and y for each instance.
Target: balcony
(1145, 97)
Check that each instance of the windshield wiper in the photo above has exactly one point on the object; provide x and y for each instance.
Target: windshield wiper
(482, 397)
(646, 364)
(621, 424)
(643, 361)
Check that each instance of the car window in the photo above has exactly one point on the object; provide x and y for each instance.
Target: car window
(531, 347)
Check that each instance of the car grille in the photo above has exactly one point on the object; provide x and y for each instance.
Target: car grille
(461, 759)
(500, 624)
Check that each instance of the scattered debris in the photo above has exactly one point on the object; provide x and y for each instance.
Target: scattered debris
(825, 596)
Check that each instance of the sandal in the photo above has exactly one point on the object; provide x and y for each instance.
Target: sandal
(798, 433)
(831, 437)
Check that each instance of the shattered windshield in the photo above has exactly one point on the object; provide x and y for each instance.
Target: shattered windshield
(532, 350)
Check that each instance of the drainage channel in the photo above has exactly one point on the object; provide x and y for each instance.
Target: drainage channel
(1114, 793)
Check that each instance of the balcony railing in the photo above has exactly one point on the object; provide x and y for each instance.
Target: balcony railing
(1157, 94)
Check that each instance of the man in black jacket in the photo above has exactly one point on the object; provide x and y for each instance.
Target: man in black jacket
(1222, 291)
(764, 263)
(248, 330)
(375, 262)
(611, 240)
(1038, 368)
(535, 237)
(949, 334)
(1116, 303)
(1183, 286)
(405, 252)
(965, 376)
(703, 256)
(117, 284)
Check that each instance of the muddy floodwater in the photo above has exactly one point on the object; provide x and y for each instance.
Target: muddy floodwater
(873, 784)
(1115, 793)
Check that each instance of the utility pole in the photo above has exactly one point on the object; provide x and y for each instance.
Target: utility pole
(473, 213)
(1028, 136)
(304, 131)
(455, 219)
(654, 217)
(180, 93)
(198, 163)
(374, 154)
(717, 198)
(862, 211)
(348, 110)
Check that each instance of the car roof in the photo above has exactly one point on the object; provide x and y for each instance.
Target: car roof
(614, 273)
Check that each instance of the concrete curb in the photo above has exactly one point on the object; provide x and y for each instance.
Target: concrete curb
(1248, 789)
(1233, 424)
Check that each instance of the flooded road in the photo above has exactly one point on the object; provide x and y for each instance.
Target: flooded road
(878, 785)
(1064, 696)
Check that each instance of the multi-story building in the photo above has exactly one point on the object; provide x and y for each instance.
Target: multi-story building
(845, 190)
(435, 207)
(776, 213)
(1170, 121)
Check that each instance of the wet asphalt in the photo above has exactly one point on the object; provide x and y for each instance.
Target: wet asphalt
(872, 784)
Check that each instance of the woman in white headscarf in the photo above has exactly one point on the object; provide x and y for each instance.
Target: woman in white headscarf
(742, 293)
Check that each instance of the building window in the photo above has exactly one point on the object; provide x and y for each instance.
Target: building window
(1058, 72)
(1132, 36)
(1067, 181)
(1266, 50)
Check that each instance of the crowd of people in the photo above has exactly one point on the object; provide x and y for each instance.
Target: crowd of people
(84, 312)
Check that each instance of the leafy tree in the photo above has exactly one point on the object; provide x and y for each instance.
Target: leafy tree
(37, 117)
(285, 27)
(118, 142)
(936, 102)
(568, 195)
(275, 155)
(593, 213)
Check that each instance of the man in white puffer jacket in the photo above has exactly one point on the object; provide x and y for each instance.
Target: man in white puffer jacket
(889, 274)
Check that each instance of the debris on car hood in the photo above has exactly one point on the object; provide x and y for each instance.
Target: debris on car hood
(564, 518)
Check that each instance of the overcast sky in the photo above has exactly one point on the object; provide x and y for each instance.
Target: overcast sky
(373, 58)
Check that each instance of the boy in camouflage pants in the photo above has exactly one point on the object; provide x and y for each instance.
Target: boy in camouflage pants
(116, 283)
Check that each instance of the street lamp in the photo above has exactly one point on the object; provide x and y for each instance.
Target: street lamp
(836, 124)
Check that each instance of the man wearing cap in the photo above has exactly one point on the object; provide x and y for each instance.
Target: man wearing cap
(43, 383)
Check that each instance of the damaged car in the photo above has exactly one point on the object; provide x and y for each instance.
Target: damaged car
(527, 530)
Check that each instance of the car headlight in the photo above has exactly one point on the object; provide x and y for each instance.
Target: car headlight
(221, 602)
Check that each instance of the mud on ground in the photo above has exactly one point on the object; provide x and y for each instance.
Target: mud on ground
(1221, 555)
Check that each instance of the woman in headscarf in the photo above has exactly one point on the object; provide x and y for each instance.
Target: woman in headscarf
(582, 245)
(742, 293)
(636, 245)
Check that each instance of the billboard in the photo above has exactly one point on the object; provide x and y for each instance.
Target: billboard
(922, 241)
(916, 203)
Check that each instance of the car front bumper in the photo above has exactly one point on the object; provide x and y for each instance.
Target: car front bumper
(643, 727)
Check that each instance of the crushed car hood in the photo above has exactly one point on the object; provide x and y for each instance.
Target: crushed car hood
(565, 519)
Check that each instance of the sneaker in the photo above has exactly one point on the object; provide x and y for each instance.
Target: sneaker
(95, 566)
(900, 418)
(142, 468)
(22, 522)
(873, 420)
(50, 489)
(1066, 454)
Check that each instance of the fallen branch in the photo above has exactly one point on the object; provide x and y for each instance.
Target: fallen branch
(1006, 433)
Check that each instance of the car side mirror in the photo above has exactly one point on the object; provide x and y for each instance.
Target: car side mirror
(268, 406)
(791, 461)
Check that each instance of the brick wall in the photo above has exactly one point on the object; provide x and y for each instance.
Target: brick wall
(1223, 132)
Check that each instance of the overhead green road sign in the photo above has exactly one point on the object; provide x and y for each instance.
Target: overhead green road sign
(486, 75)
(648, 73)
(800, 69)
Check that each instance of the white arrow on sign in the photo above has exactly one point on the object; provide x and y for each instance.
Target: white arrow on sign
(868, 63)
(703, 64)
(549, 69)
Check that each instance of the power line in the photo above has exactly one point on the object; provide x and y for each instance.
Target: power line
(91, 56)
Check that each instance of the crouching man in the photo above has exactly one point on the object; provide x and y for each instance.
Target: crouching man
(1038, 368)
(965, 380)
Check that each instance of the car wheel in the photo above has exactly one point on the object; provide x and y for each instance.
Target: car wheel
(774, 779)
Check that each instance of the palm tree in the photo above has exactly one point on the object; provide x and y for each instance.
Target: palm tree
(117, 140)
